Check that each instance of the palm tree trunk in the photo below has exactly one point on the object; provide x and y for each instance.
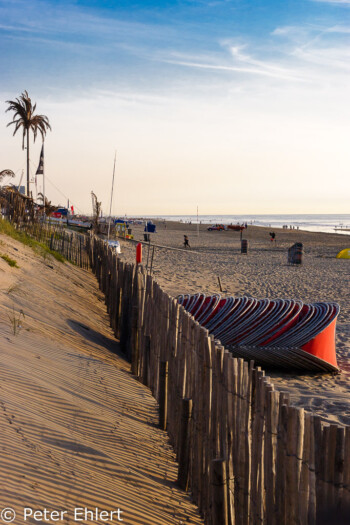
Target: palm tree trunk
(28, 195)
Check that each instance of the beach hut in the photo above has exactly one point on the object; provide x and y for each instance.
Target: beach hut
(344, 254)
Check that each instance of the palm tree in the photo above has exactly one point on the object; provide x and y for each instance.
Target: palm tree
(48, 207)
(96, 208)
(24, 118)
(6, 173)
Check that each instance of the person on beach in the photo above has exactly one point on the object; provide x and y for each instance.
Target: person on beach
(273, 237)
(186, 243)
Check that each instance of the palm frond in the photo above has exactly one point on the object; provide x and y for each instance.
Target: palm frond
(6, 173)
(24, 117)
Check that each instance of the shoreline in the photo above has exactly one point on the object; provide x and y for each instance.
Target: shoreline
(340, 223)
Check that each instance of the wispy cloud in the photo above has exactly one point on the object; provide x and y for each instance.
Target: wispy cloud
(339, 29)
(235, 59)
(333, 58)
(264, 66)
(325, 46)
(73, 47)
(140, 47)
(307, 31)
(17, 28)
(236, 69)
(299, 32)
(286, 30)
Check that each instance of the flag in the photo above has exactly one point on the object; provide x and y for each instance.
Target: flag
(40, 170)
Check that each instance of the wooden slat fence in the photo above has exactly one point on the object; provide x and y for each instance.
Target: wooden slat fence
(72, 245)
(247, 456)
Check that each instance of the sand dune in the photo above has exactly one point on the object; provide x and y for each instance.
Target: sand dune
(77, 430)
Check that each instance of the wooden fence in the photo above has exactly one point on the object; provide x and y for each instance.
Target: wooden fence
(246, 455)
(72, 245)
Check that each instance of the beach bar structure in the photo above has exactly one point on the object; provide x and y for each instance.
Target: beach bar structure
(246, 454)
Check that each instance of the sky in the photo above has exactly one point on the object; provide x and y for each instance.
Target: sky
(234, 106)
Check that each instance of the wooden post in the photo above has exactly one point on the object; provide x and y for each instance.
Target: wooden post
(312, 474)
(70, 248)
(317, 451)
(304, 488)
(135, 312)
(220, 285)
(184, 458)
(163, 394)
(295, 432)
(330, 468)
(219, 492)
(145, 374)
(281, 454)
(346, 473)
(272, 406)
(149, 246)
(150, 271)
(322, 494)
(339, 467)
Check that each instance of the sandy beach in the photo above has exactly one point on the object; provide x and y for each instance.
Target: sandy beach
(78, 431)
(263, 272)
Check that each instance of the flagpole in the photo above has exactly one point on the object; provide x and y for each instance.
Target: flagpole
(197, 223)
(40, 171)
(44, 181)
(110, 206)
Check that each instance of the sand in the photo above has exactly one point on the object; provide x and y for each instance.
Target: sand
(77, 430)
(264, 272)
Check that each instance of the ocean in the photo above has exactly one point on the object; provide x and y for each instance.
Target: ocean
(314, 223)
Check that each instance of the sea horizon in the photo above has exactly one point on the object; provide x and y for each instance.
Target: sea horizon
(326, 223)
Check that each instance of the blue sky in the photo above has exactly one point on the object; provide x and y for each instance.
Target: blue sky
(237, 106)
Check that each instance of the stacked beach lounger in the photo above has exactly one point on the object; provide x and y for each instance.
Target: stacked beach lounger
(282, 333)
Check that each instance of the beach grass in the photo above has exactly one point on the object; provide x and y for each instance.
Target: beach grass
(10, 262)
(39, 247)
(15, 320)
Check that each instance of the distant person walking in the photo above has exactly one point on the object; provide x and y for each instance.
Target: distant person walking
(186, 243)
(273, 237)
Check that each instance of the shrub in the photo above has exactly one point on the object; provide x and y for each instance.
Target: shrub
(9, 261)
